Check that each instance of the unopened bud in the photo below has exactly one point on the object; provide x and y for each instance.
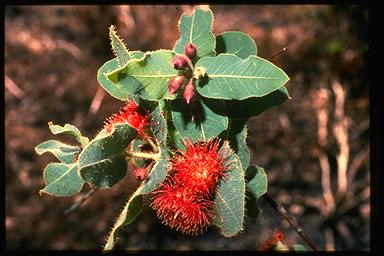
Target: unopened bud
(180, 62)
(190, 50)
(141, 174)
(175, 84)
(189, 91)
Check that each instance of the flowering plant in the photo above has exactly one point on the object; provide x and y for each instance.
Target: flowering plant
(183, 126)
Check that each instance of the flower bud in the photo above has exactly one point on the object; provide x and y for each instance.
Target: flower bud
(175, 84)
(189, 91)
(141, 174)
(190, 50)
(180, 62)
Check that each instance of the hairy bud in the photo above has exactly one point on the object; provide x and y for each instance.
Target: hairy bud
(141, 174)
(189, 91)
(175, 84)
(180, 62)
(190, 50)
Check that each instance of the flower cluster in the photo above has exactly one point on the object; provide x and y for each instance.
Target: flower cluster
(184, 201)
(184, 62)
(130, 114)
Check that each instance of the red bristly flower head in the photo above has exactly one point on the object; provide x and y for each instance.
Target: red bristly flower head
(182, 209)
(130, 114)
(200, 166)
(184, 201)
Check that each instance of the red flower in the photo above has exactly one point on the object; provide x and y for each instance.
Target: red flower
(184, 200)
(200, 166)
(130, 114)
(182, 209)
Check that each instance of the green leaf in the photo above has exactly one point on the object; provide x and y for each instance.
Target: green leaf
(132, 208)
(243, 109)
(257, 184)
(69, 130)
(130, 211)
(108, 85)
(102, 162)
(237, 136)
(256, 181)
(234, 42)
(209, 119)
(148, 77)
(64, 152)
(197, 29)
(229, 199)
(158, 125)
(232, 78)
(158, 172)
(118, 47)
(135, 147)
(62, 179)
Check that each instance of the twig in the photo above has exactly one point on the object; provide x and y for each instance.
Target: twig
(96, 102)
(80, 202)
(329, 240)
(340, 131)
(321, 103)
(357, 161)
(359, 130)
(13, 88)
(299, 230)
(281, 51)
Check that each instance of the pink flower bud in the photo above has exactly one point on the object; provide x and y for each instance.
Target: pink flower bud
(190, 50)
(141, 174)
(175, 84)
(189, 91)
(180, 62)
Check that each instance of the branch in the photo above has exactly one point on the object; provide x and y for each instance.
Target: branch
(80, 202)
(299, 230)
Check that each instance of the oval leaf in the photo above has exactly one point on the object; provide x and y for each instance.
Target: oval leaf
(257, 181)
(102, 162)
(237, 136)
(230, 199)
(62, 179)
(243, 109)
(132, 208)
(209, 121)
(234, 42)
(232, 78)
(158, 125)
(64, 152)
(147, 77)
(130, 211)
(68, 129)
(257, 184)
(108, 85)
(197, 29)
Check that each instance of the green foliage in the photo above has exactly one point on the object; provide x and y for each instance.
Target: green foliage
(62, 179)
(232, 78)
(230, 198)
(231, 84)
(208, 123)
(197, 29)
(147, 77)
(237, 43)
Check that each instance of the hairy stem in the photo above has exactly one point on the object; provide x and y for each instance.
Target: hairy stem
(144, 155)
(299, 230)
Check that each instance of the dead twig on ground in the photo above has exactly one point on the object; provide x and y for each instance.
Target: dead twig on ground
(13, 88)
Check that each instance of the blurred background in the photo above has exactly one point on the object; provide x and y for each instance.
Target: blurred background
(314, 148)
